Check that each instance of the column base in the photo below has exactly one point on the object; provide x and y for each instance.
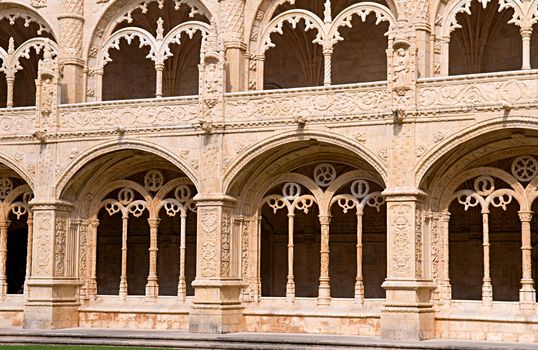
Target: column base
(51, 304)
(408, 313)
(487, 294)
(527, 296)
(152, 291)
(216, 308)
(324, 294)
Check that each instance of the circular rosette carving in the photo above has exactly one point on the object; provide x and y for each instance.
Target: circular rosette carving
(376, 200)
(524, 168)
(360, 189)
(6, 186)
(137, 208)
(126, 196)
(291, 190)
(153, 180)
(484, 185)
(324, 174)
(182, 193)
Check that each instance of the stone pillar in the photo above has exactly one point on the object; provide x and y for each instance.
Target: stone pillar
(71, 22)
(52, 297)
(324, 293)
(487, 289)
(423, 34)
(4, 225)
(446, 288)
(152, 287)
(232, 14)
(408, 312)
(527, 294)
(327, 62)
(216, 307)
(526, 38)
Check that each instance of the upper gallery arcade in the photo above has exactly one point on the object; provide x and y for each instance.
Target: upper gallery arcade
(337, 166)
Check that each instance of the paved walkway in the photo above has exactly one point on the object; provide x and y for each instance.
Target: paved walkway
(255, 341)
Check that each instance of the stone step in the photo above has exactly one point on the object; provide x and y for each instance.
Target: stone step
(254, 341)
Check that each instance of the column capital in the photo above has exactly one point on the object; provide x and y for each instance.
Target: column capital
(154, 222)
(525, 216)
(50, 204)
(214, 199)
(404, 194)
(325, 219)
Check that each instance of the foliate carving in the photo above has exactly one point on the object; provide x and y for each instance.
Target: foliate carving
(38, 3)
(467, 92)
(324, 174)
(225, 245)
(136, 115)
(401, 238)
(524, 168)
(42, 230)
(48, 88)
(60, 242)
(418, 243)
(208, 241)
(313, 104)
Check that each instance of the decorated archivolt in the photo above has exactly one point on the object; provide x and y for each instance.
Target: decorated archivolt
(132, 199)
(350, 191)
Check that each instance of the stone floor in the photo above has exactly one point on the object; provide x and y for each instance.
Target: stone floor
(273, 341)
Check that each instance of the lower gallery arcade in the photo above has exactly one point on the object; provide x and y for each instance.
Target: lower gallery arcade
(310, 234)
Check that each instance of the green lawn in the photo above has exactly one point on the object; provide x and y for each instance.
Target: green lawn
(72, 347)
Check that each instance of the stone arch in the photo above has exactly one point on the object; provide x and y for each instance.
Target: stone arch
(259, 19)
(257, 150)
(95, 152)
(473, 132)
(13, 165)
(445, 22)
(29, 14)
(109, 29)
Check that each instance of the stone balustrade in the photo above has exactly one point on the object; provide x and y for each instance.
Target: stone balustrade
(364, 101)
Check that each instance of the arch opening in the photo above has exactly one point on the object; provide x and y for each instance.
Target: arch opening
(140, 226)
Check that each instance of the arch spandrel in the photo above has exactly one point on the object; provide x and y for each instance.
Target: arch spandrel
(97, 151)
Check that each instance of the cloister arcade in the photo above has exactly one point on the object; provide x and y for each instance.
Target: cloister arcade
(329, 166)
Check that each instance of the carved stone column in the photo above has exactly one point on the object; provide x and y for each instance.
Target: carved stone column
(217, 307)
(4, 225)
(527, 294)
(324, 294)
(52, 298)
(526, 42)
(152, 287)
(232, 20)
(408, 311)
(71, 22)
